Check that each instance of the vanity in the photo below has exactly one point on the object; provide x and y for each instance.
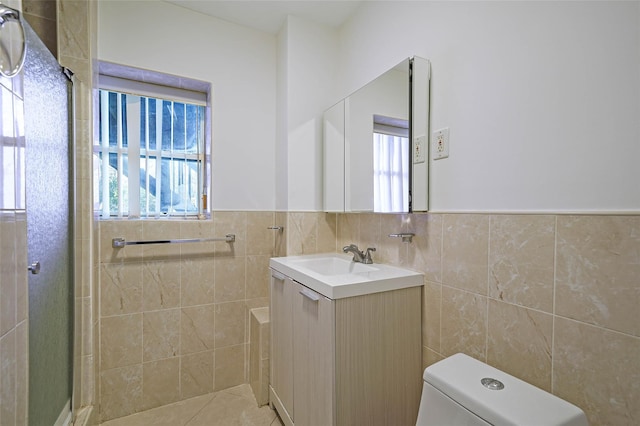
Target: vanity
(346, 341)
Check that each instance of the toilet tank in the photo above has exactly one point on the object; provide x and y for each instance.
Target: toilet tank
(502, 400)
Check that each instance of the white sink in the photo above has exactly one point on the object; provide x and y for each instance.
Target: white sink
(336, 276)
(333, 266)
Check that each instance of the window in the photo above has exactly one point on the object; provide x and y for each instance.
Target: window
(390, 165)
(150, 156)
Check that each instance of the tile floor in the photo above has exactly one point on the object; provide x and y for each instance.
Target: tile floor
(233, 406)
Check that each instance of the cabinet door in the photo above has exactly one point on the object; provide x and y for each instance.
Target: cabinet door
(313, 356)
(281, 340)
(379, 358)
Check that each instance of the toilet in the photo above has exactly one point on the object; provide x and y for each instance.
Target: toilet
(462, 391)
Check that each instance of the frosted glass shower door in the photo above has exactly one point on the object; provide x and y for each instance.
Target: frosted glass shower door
(46, 127)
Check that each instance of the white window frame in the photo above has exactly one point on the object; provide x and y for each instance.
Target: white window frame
(155, 86)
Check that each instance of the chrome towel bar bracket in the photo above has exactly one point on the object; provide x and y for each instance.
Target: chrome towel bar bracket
(121, 242)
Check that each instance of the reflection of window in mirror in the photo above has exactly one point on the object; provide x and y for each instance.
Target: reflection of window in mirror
(390, 164)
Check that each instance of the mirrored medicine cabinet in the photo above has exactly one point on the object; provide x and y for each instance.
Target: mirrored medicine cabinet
(376, 144)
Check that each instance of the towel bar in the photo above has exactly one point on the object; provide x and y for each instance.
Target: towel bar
(121, 242)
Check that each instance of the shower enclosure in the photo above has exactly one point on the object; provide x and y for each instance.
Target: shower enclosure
(49, 233)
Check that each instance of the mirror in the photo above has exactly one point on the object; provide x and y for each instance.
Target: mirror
(368, 161)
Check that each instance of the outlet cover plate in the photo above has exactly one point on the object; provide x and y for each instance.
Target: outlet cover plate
(420, 149)
(440, 146)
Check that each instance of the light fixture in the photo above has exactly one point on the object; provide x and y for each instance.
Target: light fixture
(12, 42)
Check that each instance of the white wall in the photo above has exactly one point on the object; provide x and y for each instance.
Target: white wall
(310, 69)
(238, 61)
(542, 98)
(282, 126)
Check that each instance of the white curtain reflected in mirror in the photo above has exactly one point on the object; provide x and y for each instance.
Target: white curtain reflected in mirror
(390, 165)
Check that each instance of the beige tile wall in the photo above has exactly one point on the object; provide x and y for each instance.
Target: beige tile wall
(14, 323)
(174, 319)
(547, 298)
(551, 299)
(41, 15)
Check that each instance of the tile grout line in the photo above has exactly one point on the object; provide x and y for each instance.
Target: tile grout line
(486, 330)
(553, 306)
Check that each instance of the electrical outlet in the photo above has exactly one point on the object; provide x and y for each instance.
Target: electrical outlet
(440, 147)
(420, 149)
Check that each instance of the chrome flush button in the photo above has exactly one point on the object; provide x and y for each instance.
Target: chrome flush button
(492, 384)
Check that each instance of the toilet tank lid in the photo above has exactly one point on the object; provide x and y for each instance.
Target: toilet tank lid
(518, 403)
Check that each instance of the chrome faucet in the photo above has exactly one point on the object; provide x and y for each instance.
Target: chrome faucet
(359, 255)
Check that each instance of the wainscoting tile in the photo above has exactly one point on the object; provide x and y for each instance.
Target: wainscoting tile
(257, 276)
(75, 15)
(327, 232)
(521, 260)
(348, 230)
(197, 277)
(280, 245)
(8, 273)
(161, 334)
(22, 373)
(425, 251)
(8, 377)
(153, 230)
(230, 223)
(196, 374)
(160, 382)
(230, 321)
(193, 229)
(598, 370)
(129, 230)
(121, 289)
(259, 236)
(230, 366)
(431, 315)
(392, 250)
(230, 277)
(120, 392)
(369, 232)
(121, 341)
(302, 233)
(519, 342)
(465, 252)
(161, 285)
(464, 323)
(598, 267)
(197, 329)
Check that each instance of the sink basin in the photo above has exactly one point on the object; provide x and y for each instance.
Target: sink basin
(334, 266)
(336, 276)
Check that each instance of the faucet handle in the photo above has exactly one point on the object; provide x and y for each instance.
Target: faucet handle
(367, 256)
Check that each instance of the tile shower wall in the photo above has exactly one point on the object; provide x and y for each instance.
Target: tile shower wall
(551, 299)
(14, 325)
(174, 319)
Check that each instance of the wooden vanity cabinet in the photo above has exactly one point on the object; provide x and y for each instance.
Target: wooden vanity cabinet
(350, 361)
(281, 345)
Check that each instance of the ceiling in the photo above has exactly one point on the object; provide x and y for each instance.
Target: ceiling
(266, 15)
